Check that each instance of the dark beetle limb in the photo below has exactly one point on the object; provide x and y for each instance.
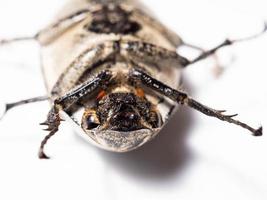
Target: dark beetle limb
(183, 99)
(53, 122)
(139, 50)
(218, 114)
(227, 42)
(64, 103)
(100, 80)
(9, 106)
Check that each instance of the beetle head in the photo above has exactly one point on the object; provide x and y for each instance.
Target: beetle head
(122, 121)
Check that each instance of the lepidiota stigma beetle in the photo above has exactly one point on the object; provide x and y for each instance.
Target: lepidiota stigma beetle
(114, 70)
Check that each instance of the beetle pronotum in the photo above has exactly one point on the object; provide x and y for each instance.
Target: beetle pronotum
(114, 70)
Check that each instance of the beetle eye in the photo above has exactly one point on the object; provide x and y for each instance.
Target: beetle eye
(92, 122)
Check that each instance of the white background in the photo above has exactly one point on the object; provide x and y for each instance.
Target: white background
(194, 157)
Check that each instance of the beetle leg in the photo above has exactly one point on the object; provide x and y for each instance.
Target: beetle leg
(227, 42)
(142, 51)
(9, 106)
(64, 104)
(88, 87)
(53, 122)
(51, 30)
(183, 99)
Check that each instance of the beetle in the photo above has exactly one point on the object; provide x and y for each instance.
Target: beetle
(114, 70)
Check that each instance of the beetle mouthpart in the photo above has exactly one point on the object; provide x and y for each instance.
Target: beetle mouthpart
(258, 132)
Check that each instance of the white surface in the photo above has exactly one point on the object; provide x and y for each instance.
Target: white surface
(195, 157)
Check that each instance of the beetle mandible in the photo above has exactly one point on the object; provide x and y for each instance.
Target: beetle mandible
(115, 71)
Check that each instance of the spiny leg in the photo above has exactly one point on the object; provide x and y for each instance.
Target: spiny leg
(227, 42)
(183, 99)
(9, 106)
(219, 114)
(64, 103)
(53, 122)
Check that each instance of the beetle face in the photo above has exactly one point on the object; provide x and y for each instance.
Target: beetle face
(121, 121)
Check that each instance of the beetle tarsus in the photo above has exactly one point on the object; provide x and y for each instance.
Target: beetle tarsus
(218, 114)
(53, 122)
(258, 132)
(42, 155)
